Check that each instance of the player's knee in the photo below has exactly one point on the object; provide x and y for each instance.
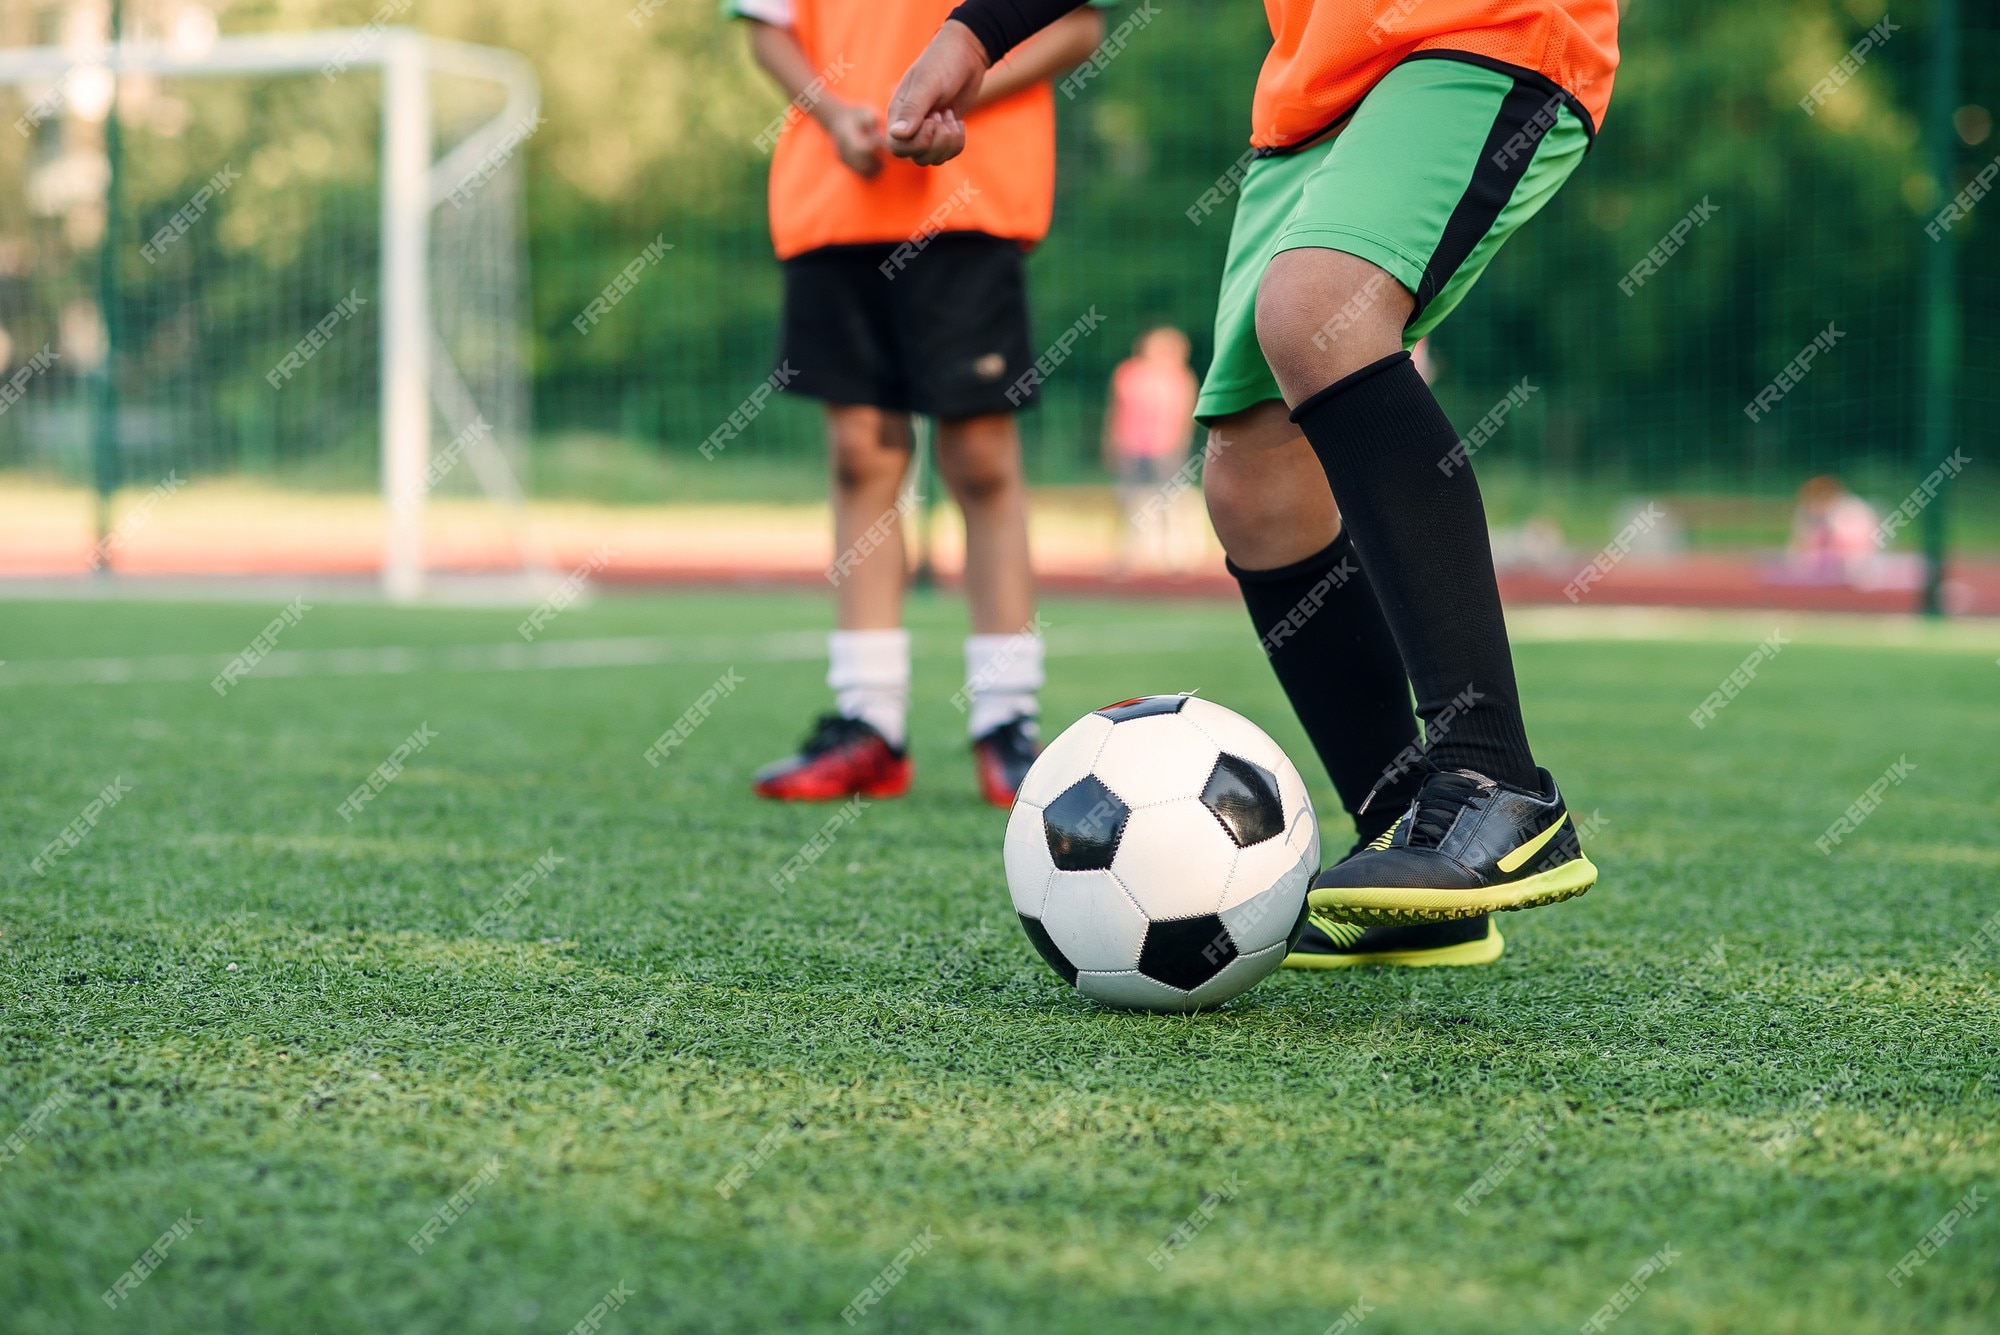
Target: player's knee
(1321, 314)
(981, 480)
(864, 458)
(1288, 321)
(980, 466)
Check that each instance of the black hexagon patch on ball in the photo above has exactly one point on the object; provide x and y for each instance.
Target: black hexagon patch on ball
(1244, 797)
(1186, 952)
(1084, 825)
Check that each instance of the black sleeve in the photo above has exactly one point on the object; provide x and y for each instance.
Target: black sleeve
(1002, 25)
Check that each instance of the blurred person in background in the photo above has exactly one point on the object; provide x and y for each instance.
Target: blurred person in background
(1148, 431)
(1833, 532)
(905, 293)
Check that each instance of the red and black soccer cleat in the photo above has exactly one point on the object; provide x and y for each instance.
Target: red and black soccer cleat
(844, 757)
(1002, 758)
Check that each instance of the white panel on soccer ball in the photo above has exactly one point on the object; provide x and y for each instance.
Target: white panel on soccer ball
(1258, 868)
(1233, 733)
(1264, 917)
(1175, 858)
(1303, 837)
(1292, 788)
(1064, 760)
(1149, 760)
(1026, 856)
(1132, 990)
(1242, 973)
(1093, 921)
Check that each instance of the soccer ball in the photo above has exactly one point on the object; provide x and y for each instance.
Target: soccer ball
(1159, 854)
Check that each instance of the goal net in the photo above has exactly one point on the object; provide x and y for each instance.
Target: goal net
(277, 271)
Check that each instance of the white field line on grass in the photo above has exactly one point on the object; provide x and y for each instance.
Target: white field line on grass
(1526, 625)
(403, 660)
(1844, 630)
(554, 655)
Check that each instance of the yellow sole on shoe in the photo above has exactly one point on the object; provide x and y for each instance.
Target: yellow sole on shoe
(1483, 951)
(1391, 906)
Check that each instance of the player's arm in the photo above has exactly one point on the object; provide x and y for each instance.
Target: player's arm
(944, 82)
(1061, 46)
(855, 129)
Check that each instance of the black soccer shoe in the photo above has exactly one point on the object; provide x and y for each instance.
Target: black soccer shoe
(1466, 846)
(1326, 944)
(1002, 757)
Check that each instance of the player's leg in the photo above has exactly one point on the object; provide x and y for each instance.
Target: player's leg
(1439, 164)
(1310, 602)
(1381, 436)
(1275, 516)
(979, 461)
(836, 340)
(963, 316)
(1317, 620)
(869, 455)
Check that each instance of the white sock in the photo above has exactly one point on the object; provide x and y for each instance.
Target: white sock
(1002, 675)
(869, 671)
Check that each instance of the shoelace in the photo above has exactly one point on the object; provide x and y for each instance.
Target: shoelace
(1442, 797)
(1422, 766)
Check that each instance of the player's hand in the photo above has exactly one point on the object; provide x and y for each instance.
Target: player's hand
(924, 115)
(857, 135)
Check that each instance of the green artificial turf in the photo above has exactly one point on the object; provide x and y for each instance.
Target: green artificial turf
(1779, 1066)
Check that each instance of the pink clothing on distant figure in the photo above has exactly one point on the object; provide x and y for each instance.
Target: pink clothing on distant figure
(1843, 529)
(1152, 408)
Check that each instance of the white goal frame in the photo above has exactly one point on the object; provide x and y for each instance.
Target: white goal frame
(414, 364)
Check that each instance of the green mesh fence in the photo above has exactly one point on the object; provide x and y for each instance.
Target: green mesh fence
(1805, 221)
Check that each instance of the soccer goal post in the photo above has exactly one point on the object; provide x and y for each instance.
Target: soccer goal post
(226, 291)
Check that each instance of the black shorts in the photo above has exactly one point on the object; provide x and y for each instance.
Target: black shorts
(941, 331)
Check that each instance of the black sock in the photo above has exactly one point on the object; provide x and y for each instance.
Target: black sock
(1323, 631)
(1419, 527)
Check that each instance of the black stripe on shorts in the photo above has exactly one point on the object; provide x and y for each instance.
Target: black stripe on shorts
(1527, 113)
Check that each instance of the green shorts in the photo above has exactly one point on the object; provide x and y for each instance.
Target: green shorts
(1439, 164)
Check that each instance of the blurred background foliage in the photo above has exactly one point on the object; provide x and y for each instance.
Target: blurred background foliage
(651, 123)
